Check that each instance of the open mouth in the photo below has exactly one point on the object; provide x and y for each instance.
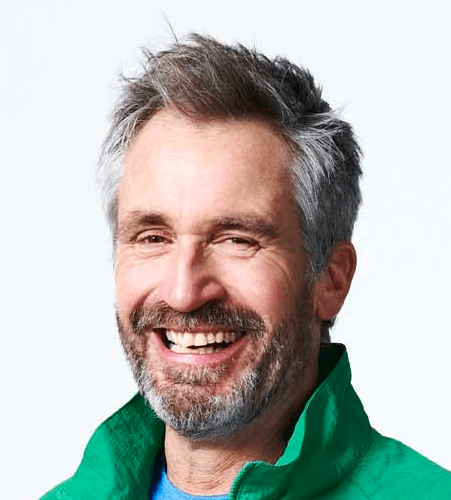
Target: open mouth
(198, 342)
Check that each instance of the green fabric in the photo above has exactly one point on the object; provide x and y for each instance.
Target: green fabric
(332, 454)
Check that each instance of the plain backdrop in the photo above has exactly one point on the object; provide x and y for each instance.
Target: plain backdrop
(385, 63)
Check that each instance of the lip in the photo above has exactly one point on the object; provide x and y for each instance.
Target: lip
(198, 359)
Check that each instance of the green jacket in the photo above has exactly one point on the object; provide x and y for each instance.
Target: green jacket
(333, 454)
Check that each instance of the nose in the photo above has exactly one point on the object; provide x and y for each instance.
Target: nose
(191, 279)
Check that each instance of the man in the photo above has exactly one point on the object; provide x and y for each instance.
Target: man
(232, 189)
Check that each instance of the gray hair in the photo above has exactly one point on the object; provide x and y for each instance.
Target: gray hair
(206, 80)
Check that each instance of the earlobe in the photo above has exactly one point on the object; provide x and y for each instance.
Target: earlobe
(332, 286)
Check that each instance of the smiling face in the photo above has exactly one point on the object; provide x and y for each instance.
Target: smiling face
(212, 307)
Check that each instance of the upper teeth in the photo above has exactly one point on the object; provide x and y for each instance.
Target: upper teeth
(188, 339)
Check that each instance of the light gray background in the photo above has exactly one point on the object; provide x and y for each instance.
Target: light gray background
(62, 369)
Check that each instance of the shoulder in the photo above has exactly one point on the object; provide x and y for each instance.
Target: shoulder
(59, 492)
(390, 469)
(118, 457)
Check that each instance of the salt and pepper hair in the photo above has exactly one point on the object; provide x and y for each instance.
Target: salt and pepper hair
(206, 80)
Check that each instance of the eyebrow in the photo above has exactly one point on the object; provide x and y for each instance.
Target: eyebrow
(250, 223)
(245, 222)
(137, 219)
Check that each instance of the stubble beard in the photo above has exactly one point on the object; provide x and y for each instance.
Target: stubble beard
(185, 398)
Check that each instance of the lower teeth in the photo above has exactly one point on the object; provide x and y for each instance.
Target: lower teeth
(196, 350)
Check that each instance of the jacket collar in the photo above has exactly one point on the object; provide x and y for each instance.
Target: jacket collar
(330, 437)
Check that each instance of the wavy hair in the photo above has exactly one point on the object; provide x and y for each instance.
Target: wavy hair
(207, 80)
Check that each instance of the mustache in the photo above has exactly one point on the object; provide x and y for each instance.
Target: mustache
(216, 314)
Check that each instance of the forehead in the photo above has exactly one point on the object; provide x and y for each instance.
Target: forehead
(177, 165)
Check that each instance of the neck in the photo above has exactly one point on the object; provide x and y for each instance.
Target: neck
(209, 467)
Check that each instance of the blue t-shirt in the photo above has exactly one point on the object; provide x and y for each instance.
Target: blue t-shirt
(163, 489)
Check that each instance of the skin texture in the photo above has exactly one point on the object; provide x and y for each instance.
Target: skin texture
(206, 216)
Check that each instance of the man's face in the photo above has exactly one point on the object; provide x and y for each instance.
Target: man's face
(211, 303)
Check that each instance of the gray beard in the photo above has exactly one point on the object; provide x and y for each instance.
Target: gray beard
(186, 404)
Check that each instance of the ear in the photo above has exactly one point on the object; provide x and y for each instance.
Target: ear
(331, 288)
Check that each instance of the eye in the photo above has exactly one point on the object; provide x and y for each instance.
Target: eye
(241, 246)
(238, 240)
(151, 238)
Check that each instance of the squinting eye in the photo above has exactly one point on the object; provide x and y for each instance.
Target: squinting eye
(151, 239)
(236, 240)
(239, 245)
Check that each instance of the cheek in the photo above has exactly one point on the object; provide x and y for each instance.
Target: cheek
(266, 287)
(134, 283)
